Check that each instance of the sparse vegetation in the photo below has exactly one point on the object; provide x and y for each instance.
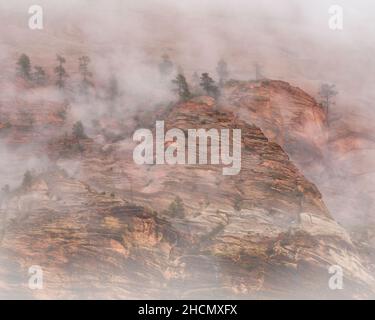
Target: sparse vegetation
(39, 76)
(176, 208)
(27, 179)
(86, 74)
(327, 92)
(181, 87)
(24, 67)
(79, 130)
(208, 85)
(61, 72)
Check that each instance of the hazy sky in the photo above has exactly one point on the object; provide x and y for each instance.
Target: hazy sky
(290, 38)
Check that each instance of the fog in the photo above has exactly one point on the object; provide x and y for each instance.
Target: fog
(125, 39)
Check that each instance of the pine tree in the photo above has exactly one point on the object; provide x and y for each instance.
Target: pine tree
(208, 84)
(79, 130)
(60, 72)
(27, 179)
(39, 76)
(182, 87)
(24, 67)
(85, 73)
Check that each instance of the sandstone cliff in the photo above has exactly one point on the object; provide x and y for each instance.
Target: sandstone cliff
(99, 225)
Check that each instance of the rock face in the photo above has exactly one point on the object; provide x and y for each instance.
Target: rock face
(335, 152)
(100, 226)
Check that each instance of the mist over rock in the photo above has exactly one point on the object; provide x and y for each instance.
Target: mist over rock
(73, 201)
(106, 230)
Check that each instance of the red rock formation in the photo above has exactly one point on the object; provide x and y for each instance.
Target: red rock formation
(263, 233)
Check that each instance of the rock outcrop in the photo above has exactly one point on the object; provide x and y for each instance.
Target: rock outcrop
(99, 226)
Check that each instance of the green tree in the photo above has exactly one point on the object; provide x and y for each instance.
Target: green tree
(86, 74)
(24, 67)
(27, 179)
(176, 208)
(327, 92)
(39, 76)
(208, 85)
(61, 72)
(79, 130)
(182, 87)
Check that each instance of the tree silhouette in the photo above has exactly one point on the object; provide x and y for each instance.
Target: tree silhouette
(60, 72)
(79, 130)
(182, 87)
(39, 76)
(84, 62)
(176, 208)
(166, 66)
(208, 84)
(327, 92)
(222, 71)
(27, 179)
(24, 67)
